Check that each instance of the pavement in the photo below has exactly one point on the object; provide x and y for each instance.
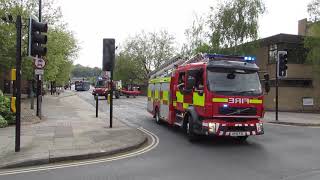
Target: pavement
(291, 118)
(68, 130)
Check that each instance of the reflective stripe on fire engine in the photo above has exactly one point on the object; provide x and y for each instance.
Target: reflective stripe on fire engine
(224, 100)
(255, 101)
(149, 92)
(179, 97)
(198, 100)
(185, 105)
(160, 80)
(174, 103)
(156, 94)
(165, 95)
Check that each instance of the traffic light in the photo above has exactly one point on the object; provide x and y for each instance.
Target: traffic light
(36, 38)
(108, 54)
(282, 63)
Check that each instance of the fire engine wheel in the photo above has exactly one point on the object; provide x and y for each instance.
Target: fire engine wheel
(189, 130)
(157, 117)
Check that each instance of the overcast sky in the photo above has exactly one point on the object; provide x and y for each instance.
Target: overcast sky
(93, 20)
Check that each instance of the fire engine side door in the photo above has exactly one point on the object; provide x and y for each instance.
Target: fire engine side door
(179, 95)
(188, 93)
(164, 100)
(150, 97)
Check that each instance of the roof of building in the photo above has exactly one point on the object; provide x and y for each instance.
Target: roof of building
(282, 38)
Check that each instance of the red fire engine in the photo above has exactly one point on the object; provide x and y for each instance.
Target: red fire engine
(209, 94)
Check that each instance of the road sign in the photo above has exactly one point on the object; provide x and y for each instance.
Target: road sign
(38, 71)
(39, 63)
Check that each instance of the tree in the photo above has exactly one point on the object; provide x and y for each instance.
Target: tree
(62, 46)
(85, 72)
(312, 41)
(314, 10)
(127, 70)
(195, 36)
(234, 23)
(148, 51)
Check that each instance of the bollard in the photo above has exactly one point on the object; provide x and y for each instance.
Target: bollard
(108, 99)
(97, 105)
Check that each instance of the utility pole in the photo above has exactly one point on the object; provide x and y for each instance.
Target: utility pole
(18, 83)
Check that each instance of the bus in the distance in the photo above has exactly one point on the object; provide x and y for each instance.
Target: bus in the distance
(82, 85)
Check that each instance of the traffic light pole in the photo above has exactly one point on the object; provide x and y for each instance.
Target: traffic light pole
(39, 83)
(18, 83)
(277, 88)
(111, 97)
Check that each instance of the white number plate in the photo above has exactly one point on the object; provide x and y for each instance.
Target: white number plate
(238, 133)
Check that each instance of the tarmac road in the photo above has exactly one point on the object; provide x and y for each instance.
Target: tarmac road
(283, 152)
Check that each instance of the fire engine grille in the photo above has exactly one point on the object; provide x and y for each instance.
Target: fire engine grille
(238, 128)
(241, 111)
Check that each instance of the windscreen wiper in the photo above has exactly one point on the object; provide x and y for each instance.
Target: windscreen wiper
(249, 91)
(231, 92)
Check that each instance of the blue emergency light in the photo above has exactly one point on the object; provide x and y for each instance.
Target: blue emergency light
(230, 57)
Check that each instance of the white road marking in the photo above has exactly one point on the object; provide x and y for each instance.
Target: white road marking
(154, 143)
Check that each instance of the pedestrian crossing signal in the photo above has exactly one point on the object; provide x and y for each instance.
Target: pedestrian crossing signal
(282, 64)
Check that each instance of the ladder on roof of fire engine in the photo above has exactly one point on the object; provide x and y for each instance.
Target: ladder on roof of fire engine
(167, 68)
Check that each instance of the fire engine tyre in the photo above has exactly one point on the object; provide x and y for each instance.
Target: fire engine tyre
(128, 96)
(117, 95)
(189, 130)
(157, 116)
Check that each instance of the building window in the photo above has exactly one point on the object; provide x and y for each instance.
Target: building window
(292, 83)
(273, 49)
(297, 54)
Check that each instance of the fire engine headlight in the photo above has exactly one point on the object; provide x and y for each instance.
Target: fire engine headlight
(212, 127)
(259, 127)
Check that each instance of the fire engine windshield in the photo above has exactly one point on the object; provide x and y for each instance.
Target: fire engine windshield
(234, 82)
(100, 83)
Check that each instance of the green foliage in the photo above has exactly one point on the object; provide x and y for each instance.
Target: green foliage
(127, 70)
(226, 29)
(3, 122)
(82, 71)
(62, 49)
(196, 38)
(144, 53)
(234, 23)
(62, 46)
(312, 43)
(5, 109)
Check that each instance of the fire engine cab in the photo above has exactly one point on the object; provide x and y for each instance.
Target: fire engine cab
(209, 94)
